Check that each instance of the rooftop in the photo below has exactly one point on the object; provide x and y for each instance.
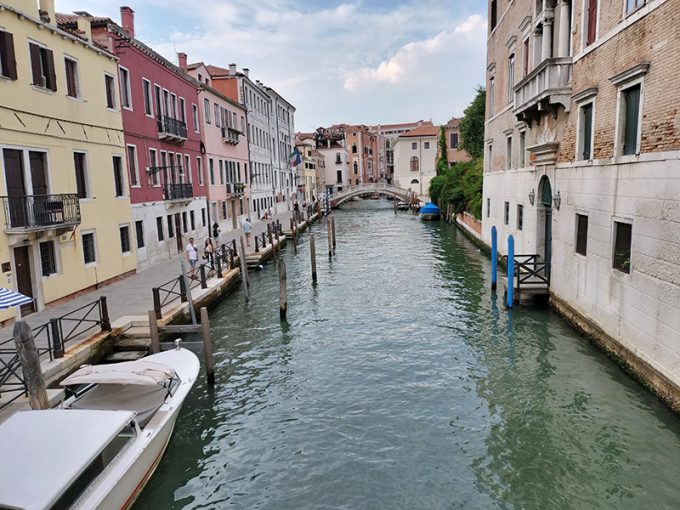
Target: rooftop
(421, 131)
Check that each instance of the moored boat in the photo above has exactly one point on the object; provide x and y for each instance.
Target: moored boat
(101, 448)
(430, 212)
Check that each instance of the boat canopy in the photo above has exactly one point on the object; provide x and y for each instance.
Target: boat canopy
(429, 208)
(140, 372)
(44, 452)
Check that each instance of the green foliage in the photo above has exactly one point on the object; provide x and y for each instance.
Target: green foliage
(471, 126)
(442, 156)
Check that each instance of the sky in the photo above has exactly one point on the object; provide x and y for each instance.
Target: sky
(354, 61)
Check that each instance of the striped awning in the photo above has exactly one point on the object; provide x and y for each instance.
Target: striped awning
(9, 298)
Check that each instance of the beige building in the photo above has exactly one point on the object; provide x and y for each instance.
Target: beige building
(66, 207)
(415, 159)
(307, 171)
(581, 164)
(387, 136)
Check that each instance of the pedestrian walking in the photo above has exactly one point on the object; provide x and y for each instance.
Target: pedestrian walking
(209, 252)
(216, 231)
(192, 256)
(247, 230)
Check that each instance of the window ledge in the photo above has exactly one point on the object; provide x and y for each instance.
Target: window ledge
(91, 264)
(630, 74)
(77, 99)
(43, 90)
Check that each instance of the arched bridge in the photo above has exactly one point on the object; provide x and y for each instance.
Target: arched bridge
(374, 187)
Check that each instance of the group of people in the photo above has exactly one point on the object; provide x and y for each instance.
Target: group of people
(209, 247)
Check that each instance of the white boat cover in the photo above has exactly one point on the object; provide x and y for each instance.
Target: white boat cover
(43, 452)
(139, 372)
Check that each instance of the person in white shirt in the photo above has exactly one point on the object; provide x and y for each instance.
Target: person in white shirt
(192, 256)
(247, 230)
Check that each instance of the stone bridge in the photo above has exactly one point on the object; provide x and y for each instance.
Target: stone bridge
(370, 188)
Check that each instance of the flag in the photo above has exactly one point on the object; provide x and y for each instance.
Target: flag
(295, 157)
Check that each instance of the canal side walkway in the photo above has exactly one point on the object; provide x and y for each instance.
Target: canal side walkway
(129, 302)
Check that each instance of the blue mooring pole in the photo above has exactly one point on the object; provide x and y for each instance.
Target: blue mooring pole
(494, 258)
(511, 269)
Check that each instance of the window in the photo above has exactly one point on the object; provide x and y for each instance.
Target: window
(630, 118)
(591, 21)
(211, 167)
(506, 213)
(221, 172)
(171, 227)
(426, 145)
(354, 148)
(153, 167)
(199, 169)
(520, 216)
(414, 164)
(125, 93)
(489, 156)
(118, 179)
(132, 165)
(492, 15)
(182, 110)
(125, 239)
(146, 87)
(8, 65)
(356, 168)
(72, 84)
(525, 58)
(192, 219)
(511, 78)
(194, 114)
(42, 67)
(633, 5)
(139, 231)
(339, 177)
(453, 141)
(522, 148)
(81, 174)
(488, 207)
(203, 216)
(585, 132)
(224, 209)
(508, 152)
(492, 83)
(48, 261)
(89, 250)
(414, 145)
(187, 168)
(159, 228)
(159, 102)
(110, 85)
(581, 234)
(206, 107)
(622, 243)
(184, 222)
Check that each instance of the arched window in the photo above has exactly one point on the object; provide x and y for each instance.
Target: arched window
(414, 164)
(354, 148)
(414, 181)
(356, 167)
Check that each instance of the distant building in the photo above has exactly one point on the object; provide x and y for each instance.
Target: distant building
(306, 171)
(331, 143)
(415, 157)
(454, 154)
(283, 132)
(387, 136)
(363, 147)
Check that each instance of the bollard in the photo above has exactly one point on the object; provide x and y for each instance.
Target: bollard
(104, 309)
(57, 344)
(283, 301)
(494, 258)
(207, 347)
(511, 269)
(182, 290)
(30, 365)
(157, 302)
(218, 263)
(312, 254)
(201, 272)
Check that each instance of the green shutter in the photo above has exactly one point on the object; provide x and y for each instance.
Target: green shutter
(631, 98)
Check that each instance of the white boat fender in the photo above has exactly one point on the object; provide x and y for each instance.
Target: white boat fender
(177, 342)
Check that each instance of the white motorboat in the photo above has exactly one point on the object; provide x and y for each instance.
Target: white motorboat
(99, 450)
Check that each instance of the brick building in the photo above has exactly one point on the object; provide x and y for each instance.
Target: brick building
(582, 143)
(454, 154)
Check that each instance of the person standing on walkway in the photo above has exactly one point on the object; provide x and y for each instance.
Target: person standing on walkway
(192, 256)
(216, 231)
(247, 230)
(209, 252)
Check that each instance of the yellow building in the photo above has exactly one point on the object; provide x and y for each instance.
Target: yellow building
(65, 205)
(306, 172)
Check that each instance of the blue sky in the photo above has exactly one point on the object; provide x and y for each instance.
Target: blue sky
(357, 61)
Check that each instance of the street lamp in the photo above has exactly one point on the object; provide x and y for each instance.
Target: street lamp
(532, 196)
(557, 199)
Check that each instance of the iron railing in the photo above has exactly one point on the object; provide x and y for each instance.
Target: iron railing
(171, 128)
(529, 270)
(178, 191)
(41, 211)
(230, 135)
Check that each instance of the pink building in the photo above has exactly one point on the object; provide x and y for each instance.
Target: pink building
(160, 108)
(223, 129)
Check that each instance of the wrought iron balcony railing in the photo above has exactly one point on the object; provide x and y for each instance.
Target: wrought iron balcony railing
(178, 191)
(41, 212)
(171, 129)
(230, 135)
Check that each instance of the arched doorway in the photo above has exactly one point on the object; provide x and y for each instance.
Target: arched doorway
(544, 219)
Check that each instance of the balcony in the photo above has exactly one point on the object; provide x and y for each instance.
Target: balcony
(171, 130)
(230, 135)
(236, 189)
(184, 191)
(547, 85)
(40, 212)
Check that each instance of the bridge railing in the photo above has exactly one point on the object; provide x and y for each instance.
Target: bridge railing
(370, 188)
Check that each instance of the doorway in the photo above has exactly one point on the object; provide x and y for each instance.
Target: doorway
(544, 221)
(178, 229)
(22, 265)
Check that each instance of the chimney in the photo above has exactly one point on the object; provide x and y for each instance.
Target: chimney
(47, 11)
(85, 27)
(245, 71)
(182, 58)
(127, 20)
(232, 69)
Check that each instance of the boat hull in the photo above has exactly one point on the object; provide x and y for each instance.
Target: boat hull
(430, 216)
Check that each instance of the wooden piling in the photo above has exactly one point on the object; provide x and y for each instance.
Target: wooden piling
(333, 230)
(244, 269)
(283, 300)
(207, 347)
(30, 366)
(330, 242)
(155, 335)
(312, 254)
(395, 205)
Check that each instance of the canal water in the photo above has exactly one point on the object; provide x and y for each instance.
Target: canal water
(401, 381)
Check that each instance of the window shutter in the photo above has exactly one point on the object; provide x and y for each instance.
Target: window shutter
(9, 63)
(632, 98)
(592, 21)
(34, 51)
(51, 75)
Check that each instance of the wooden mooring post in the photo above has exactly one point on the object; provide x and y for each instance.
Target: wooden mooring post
(333, 230)
(312, 254)
(283, 299)
(244, 269)
(30, 366)
(207, 347)
(330, 242)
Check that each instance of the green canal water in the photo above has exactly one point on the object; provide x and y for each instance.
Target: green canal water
(401, 381)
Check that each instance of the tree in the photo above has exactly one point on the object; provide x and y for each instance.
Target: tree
(442, 157)
(471, 126)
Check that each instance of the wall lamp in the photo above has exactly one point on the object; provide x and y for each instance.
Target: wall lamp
(557, 200)
(532, 196)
